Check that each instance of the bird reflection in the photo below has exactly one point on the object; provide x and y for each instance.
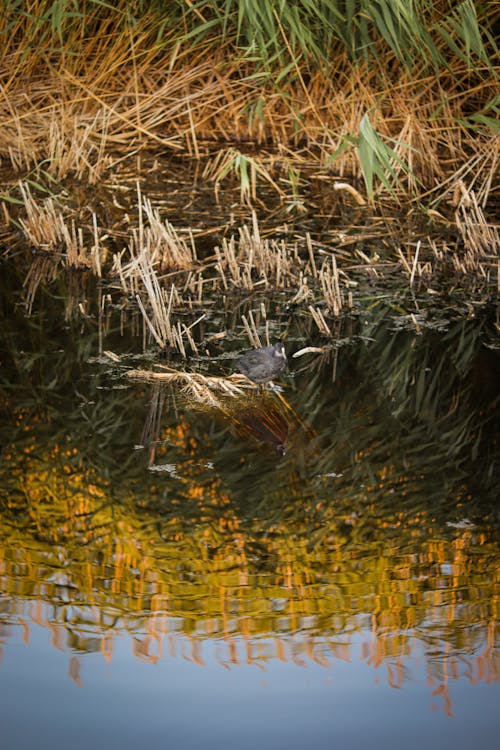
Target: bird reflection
(263, 420)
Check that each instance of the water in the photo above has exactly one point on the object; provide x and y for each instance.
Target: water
(178, 702)
(313, 566)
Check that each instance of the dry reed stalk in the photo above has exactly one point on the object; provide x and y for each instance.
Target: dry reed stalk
(226, 259)
(310, 250)
(255, 261)
(479, 170)
(13, 141)
(320, 321)
(157, 317)
(415, 263)
(46, 229)
(481, 240)
(251, 330)
(73, 147)
(160, 324)
(303, 292)
(167, 249)
(41, 269)
(416, 324)
(416, 269)
(370, 263)
(201, 388)
(95, 250)
(330, 286)
(128, 282)
(43, 225)
(404, 262)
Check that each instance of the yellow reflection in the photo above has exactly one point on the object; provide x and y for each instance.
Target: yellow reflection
(90, 569)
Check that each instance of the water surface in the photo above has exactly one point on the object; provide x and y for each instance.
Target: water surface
(316, 566)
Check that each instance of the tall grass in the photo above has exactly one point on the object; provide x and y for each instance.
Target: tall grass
(418, 33)
(414, 86)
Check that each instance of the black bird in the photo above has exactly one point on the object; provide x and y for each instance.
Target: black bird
(264, 364)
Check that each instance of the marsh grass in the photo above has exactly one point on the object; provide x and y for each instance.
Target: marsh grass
(398, 95)
(389, 104)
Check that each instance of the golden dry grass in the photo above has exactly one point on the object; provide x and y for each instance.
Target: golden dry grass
(74, 110)
(79, 115)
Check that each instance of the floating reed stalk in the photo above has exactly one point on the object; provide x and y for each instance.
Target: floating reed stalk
(200, 388)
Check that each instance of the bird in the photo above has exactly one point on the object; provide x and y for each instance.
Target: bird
(264, 364)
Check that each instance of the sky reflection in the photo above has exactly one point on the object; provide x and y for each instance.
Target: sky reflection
(178, 702)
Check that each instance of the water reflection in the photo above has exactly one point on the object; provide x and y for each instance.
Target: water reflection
(378, 522)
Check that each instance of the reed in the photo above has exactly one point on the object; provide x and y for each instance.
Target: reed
(49, 231)
(253, 262)
(330, 286)
(202, 389)
(400, 95)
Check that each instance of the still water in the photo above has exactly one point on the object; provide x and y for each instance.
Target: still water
(312, 566)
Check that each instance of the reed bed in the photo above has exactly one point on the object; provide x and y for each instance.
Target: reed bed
(158, 268)
(395, 105)
(251, 261)
(48, 230)
(400, 96)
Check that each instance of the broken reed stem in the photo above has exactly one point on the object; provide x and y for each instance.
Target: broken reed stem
(96, 249)
(404, 262)
(311, 256)
(148, 323)
(251, 331)
(415, 261)
(320, 321)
